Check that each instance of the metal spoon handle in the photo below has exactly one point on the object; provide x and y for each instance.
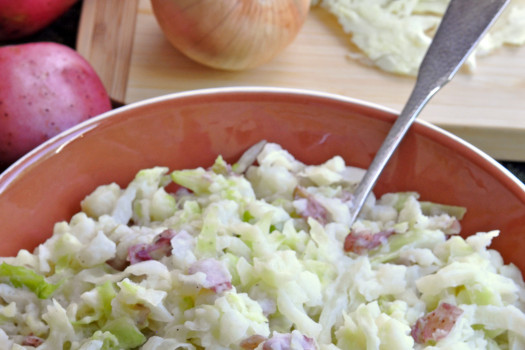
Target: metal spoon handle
(462, 26)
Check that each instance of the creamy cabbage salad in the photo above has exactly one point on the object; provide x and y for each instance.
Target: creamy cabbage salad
(260, 255)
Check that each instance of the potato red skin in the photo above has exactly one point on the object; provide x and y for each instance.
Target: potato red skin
(20, 18)
(45, 88)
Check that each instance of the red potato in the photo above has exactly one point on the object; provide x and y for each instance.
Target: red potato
(45, 88)
(19, 18)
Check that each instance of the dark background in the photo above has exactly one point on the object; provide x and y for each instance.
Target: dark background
(64, 31)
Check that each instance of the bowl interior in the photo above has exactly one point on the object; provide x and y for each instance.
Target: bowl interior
(190, 130)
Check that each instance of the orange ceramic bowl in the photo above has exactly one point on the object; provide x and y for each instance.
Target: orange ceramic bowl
(190, 129)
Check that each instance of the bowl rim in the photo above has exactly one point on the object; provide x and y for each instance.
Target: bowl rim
(61, 140)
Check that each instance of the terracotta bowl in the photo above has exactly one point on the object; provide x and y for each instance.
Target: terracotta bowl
(190, 129)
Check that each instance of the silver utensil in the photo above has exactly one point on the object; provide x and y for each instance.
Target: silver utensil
(462, 26)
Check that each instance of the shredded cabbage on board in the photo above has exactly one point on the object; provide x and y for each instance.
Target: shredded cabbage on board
(394, 35)
(260, 255)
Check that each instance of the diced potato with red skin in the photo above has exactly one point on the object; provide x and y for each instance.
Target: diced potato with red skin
(313, 208)
(361, 242)
(218, 279)
(45, 88)
(437, 324)
(20, 18)
(252, 342)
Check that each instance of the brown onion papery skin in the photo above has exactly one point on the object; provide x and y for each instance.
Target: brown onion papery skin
(230, 34)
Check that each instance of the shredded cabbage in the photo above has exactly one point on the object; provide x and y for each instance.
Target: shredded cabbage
(395, 35)
(260, 255)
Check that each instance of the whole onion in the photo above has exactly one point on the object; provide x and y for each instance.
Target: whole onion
(230, 34)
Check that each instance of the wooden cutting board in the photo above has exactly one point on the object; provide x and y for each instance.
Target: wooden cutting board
(124, 43)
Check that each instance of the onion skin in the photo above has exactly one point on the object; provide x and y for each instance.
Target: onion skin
(230, 34)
